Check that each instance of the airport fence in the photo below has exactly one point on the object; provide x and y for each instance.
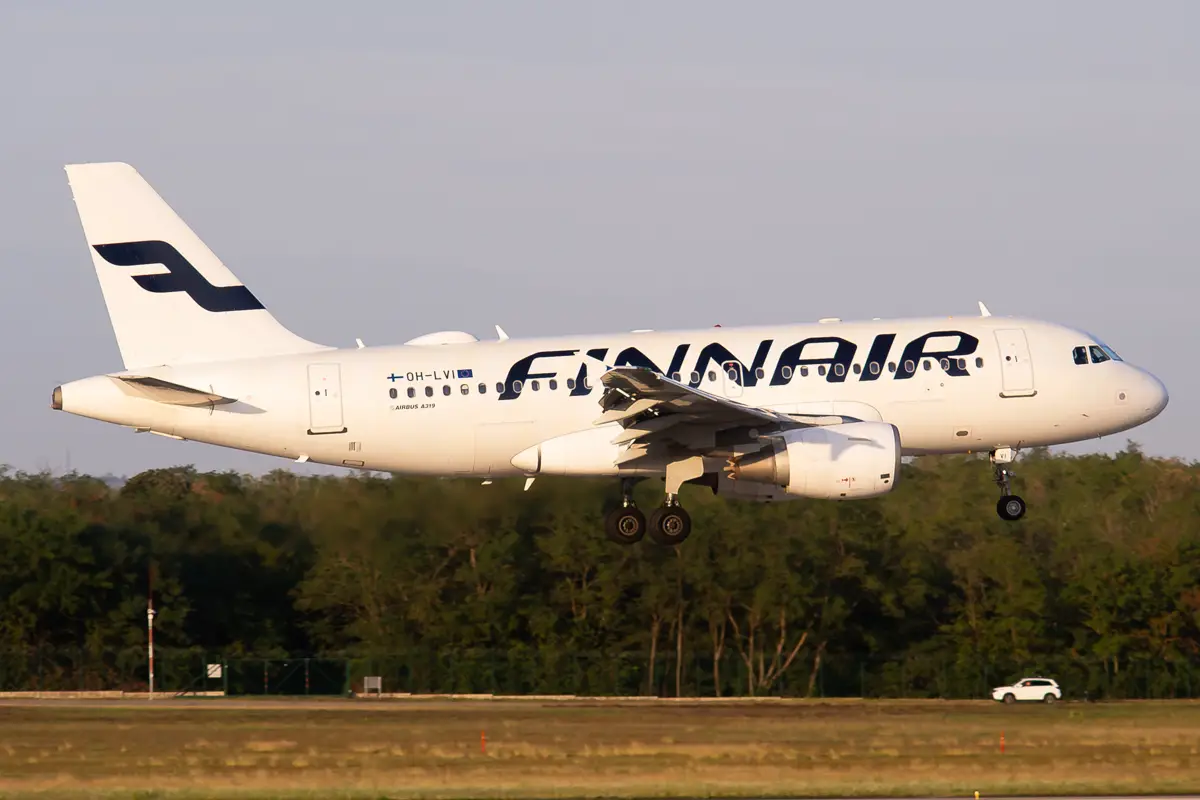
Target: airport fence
(542, 671)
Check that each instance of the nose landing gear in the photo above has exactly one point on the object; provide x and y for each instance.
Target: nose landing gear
(1010, 507)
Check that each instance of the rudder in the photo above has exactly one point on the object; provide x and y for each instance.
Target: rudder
(170, 299)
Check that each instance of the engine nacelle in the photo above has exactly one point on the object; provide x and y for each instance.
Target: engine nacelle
(751, 491)
(832, 462)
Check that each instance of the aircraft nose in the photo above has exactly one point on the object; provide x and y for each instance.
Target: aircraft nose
(1157, 396)
(1150, 395)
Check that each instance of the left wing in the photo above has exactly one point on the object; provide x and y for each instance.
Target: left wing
(661, 416)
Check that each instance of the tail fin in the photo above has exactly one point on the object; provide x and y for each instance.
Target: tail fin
(170, 299)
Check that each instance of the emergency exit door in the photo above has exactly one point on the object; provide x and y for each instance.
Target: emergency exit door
(1016, 365)
(325, 399)
(734, 378)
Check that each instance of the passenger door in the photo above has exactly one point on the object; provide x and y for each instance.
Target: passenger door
(1016, 365)
(733, 378)
(325, 399)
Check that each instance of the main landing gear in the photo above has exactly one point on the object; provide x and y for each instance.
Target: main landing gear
(1010, 507)
(668, 525)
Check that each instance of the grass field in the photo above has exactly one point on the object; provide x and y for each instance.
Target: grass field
(544, 749)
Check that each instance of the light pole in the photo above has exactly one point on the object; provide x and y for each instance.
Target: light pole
(150, 629)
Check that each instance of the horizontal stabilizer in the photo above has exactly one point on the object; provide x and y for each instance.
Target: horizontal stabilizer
(173, 394)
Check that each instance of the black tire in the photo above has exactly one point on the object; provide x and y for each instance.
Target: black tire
(1049, 699)
(625, 525)
(669, 525)
(1010, 698)
(1010, 508)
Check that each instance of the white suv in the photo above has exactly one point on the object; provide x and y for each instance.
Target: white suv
(1042, 689)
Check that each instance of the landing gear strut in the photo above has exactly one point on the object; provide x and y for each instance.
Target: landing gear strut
(1010, 507)
(670, 524)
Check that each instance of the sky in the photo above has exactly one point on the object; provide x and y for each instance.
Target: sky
(390, 169)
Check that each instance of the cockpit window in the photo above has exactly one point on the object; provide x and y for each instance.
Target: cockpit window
(1098, 354)
(1105, 349)
(1080, 355)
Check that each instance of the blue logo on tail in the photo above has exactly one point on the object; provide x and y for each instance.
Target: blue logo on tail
(181, 276)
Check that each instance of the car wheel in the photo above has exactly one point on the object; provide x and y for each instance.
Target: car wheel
(1049, 698)
(1010, 698)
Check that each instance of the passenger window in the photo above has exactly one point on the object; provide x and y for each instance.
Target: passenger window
(786, 372)
(732, 374)
(839, 370)
(429, 391)
(483, 388)
(874, 367)
(945, 364)
(760, 373)
(928, 365)
(858, 369)
(962, 363)
(553, 384)
(499, 388)
(712, 376)
(694, 377)
(465, 389)
(821, 370)
(1079, 355)
(804, 372)
(516, 387)
(446, 390)
(979, 363)
(412, 392)
(571, 384)
(674, 376)
(910, 367)
(534, 385)
(392, 393)
(587, 383)
(1098, 355)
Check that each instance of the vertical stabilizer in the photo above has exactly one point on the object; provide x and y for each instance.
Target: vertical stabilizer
(170, 299)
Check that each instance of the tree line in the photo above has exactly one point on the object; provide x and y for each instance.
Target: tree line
(447, 585)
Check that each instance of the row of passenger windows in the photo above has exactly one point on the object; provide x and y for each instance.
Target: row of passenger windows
(838, 369)
(482, 388)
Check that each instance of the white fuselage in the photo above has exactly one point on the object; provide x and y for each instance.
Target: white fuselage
(977, 384)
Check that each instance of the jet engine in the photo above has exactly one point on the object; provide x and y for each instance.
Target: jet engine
(832, 462)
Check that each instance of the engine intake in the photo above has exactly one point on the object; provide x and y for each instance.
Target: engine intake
(854, 459)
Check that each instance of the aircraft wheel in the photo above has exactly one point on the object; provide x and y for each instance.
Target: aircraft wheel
(669, 525)
(1010, 508)
(625, 525)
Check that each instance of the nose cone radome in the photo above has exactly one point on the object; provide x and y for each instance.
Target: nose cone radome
(1142, 396)
(56, 399)
(1151, 396)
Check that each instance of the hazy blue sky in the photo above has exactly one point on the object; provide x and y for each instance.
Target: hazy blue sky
(383, 170)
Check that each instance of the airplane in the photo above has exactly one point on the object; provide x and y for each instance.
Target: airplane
(767, 413)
